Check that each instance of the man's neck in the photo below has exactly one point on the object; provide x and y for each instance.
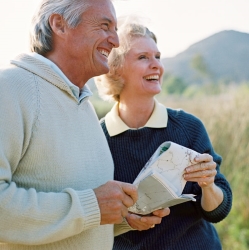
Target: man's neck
(72, 70)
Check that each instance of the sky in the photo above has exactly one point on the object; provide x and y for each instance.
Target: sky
(176, 23)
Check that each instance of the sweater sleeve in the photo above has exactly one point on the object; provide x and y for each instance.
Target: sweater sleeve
(27, 216)
(122, 228)
(200, 142)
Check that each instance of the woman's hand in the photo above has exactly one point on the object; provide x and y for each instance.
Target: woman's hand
(203, 172)
(141, 222)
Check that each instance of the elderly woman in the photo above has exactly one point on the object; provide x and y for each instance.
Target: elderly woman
(137, 125)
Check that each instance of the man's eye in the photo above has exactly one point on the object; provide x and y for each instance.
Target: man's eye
(105, 26)
(142, 57)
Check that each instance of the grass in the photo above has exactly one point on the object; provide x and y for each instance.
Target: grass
(227, 121)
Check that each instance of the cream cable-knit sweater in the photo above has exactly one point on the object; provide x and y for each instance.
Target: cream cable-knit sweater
(52, 154)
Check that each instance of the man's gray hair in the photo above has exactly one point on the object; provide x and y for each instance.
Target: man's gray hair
(41, 32)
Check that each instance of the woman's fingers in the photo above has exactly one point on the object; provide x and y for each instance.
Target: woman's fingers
(162, 212)
(203, 172)
(146, 222)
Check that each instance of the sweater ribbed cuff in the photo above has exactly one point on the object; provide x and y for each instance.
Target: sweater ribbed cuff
(122, 228)
(90, 207)
(221, 211)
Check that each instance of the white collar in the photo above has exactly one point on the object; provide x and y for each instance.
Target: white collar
(115, 125)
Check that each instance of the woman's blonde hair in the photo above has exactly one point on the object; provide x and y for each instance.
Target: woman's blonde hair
(111, 84)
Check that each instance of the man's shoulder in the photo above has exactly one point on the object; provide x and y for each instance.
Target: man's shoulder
(7, 68)
(11, 73)
(17, 65)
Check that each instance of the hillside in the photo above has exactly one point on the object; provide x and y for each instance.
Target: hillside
(225, 56)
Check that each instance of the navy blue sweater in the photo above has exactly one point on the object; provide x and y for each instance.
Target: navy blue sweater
(188, 226)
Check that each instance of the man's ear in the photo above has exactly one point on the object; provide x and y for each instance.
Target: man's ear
(57, 24)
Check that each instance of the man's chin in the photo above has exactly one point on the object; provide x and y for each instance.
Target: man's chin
(103, 70)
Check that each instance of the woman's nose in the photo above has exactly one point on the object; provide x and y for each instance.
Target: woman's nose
(156, 63)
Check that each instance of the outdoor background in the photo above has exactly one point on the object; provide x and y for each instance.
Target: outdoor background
(205, 52)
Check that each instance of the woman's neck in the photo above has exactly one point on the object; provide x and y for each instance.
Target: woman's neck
(135, 112)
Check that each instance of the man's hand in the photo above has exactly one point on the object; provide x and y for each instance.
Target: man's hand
(114, 198)
(140, 223)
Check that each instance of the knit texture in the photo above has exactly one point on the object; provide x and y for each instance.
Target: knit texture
(53, 153)
(188, 226)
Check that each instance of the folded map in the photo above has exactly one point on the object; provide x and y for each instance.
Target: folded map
(160, 183)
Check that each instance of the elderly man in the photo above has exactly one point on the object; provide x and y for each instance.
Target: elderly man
(56, 170)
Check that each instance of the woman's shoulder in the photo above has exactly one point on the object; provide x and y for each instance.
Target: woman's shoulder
(182, 116)
(192, 127)
(103, 125)
(102, 121)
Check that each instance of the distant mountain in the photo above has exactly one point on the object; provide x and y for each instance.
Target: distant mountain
(225, 56)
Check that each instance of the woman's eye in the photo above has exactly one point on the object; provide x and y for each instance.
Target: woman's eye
(142, 57)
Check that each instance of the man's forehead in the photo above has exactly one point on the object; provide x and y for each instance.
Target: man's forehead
(101, 6)
(105, 12)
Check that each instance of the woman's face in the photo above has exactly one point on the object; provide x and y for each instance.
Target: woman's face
(143, 70)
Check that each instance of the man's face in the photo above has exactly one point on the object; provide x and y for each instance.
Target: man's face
(90, 43)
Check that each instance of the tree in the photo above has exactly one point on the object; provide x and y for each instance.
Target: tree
(173, 85)
(198, 64)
